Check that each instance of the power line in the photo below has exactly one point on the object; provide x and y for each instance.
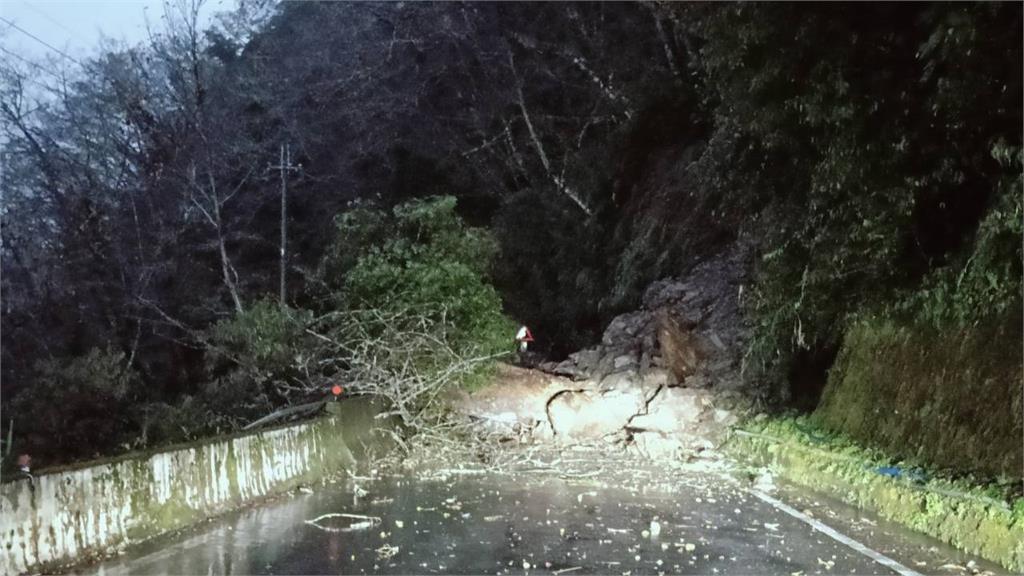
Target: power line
(41, 41)
(31, 63)
(34, 81)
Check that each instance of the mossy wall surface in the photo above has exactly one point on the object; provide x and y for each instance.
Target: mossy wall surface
(66, 515)
(944, 399)
(974, 524)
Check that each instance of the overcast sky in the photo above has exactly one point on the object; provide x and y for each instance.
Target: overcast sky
(76, 26)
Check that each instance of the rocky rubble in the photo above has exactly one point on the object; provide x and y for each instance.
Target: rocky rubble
(690, 327)
(665, 380)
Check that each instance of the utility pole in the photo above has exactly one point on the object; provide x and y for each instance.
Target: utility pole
(284, 167)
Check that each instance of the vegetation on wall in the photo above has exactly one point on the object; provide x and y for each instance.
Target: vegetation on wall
(980, 515)
(947, 398)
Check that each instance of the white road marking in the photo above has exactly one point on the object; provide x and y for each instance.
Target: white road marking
(838, 537)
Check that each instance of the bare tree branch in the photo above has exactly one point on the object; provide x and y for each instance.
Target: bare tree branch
(557, 180)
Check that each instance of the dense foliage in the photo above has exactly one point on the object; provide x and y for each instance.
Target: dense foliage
(888, 161)
(421, 257)
(403, 308)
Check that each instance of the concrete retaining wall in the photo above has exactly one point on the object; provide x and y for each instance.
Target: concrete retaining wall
(70, 514)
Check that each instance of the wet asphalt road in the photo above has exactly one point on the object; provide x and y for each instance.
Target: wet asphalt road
(537, 522)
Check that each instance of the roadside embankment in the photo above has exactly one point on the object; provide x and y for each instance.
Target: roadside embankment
(970, 518)
(949, 399)
(66, 515)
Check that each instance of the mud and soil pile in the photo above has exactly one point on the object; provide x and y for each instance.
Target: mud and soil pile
(664, 381)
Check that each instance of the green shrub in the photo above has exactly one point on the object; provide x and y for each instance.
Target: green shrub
(421, 258)
(988, 284)
(255, 357)
(404, 301)
(263, 337)
(78, 407)
(191, 417)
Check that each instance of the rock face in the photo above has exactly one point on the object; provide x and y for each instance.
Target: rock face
(691, 326)
(663, 382)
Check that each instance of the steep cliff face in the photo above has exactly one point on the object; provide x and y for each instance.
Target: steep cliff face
(663, 218)
(670, 213)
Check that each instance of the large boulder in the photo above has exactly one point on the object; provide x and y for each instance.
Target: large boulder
(674, 410)
(692, 326)
(701, 332)
(679, 421)
(591, 414)
(681, 350)
(624, 329)
(658, 446)
(655, 378)
(666, 292)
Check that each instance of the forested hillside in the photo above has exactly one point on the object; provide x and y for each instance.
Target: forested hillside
(467, 165)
